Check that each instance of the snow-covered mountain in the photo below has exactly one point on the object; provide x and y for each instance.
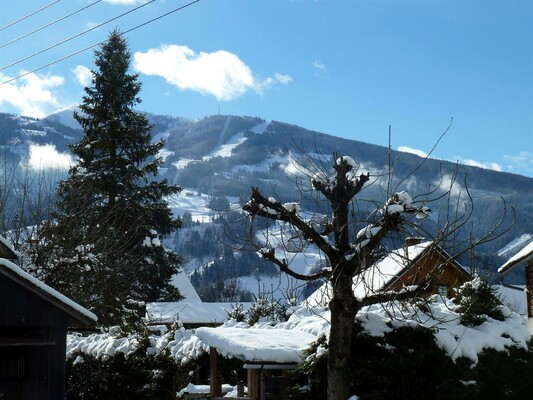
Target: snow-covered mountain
(217, 159)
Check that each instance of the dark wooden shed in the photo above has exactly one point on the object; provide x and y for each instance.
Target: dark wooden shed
(34, 320)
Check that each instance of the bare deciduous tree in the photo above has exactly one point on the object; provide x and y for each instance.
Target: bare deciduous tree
(349, 243)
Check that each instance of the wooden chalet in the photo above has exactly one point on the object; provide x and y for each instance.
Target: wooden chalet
(34, 319)
(417, 262)
(523, 258)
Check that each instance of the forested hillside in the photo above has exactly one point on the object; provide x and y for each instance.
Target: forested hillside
(219, 158)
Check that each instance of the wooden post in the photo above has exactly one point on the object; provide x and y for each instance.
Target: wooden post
(240, 389)
(254, 383)
(216, 387)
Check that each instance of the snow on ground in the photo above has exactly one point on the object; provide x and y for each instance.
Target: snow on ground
(183, 162)
(193, 202)
(280, 237)
(262, 166)
(65, 116)
(260, 128)
(224, 150)
(515, 245)
(513, 297)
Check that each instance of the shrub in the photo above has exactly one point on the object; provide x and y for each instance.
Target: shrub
(406, 363)
(477, 300)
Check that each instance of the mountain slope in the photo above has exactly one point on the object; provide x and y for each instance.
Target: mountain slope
(221, 157)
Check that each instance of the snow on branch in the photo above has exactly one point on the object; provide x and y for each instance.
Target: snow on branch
(402, 202)
(341, 180)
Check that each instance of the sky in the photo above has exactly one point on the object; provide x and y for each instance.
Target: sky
(349, 68)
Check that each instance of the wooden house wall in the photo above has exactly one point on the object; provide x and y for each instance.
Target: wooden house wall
(529, 286)
(34, 331)
(448, 274)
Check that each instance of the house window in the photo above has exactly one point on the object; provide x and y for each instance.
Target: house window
(442, 290)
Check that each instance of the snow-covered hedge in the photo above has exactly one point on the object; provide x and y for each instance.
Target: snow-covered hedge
(451, 344)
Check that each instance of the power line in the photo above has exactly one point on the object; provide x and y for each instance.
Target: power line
(49, 24)
(97, 44)
(29, 15)
(75, 36)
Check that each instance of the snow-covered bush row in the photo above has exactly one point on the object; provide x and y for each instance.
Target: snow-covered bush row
(182, 345)
(441, 316)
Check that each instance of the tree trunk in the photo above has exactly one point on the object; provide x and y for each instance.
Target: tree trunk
(343, 309)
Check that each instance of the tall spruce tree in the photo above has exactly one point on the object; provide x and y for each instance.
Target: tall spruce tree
(104, 247)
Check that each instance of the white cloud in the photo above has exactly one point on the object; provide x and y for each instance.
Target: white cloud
(47, 156)
(91, 25)
(31, 95)
(220, 74)
(448, 183)
(83, 75)
(319, 67)
(284, 79)
(419, 153)
(474, 163)
(522, 163)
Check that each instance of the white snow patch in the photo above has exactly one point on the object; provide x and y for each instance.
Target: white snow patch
(253, 344)
(225, 150)
(260, 128)
(515, 245)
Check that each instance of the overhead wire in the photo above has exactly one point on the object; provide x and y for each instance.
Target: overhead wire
(29, 15)
(49, 24)
(75, 36)
(97, 44)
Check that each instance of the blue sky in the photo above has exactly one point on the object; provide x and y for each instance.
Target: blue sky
(347, 68)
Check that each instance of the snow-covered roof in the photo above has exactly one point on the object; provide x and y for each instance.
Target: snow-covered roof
(513, 297)
(523, 256)
(187, 290)
(375, 278)
(190, 312)
(74, 310)
(258, 345)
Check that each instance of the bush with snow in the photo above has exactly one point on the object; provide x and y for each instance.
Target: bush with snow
(414, 350)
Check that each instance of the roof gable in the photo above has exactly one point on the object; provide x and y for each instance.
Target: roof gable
(383, 273)
(77, 314)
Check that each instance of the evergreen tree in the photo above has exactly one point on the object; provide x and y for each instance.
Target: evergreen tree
(104, 247)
